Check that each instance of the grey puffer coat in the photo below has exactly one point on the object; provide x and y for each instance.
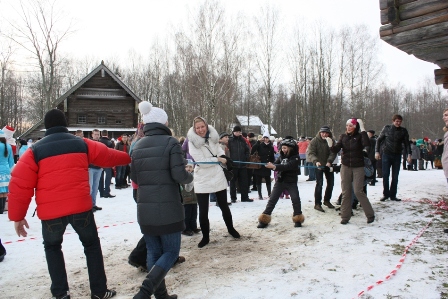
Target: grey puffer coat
(158, 167)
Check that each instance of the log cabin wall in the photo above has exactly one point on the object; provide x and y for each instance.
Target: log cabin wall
(419, 28)
(101, 100)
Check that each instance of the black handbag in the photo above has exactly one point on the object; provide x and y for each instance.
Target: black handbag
(228, 174)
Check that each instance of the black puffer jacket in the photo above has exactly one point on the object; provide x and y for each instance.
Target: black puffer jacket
(266, 153)
(239, 151)
(158, 167)
(393, 138)
(288, 166)
(106, 141)
(352, 146)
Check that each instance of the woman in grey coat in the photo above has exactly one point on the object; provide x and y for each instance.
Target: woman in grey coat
(158, 167)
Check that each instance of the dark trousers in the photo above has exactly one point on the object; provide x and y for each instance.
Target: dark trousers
(104, 185)
(259, 179)
(379, 168)
(394, 162)
(275, 195)
(250, 178)
(85, 226)
(240, 176)
(2, 204)
(191, 216)
(329, 176)
(221, 198)
(374, 169)
(414, 164)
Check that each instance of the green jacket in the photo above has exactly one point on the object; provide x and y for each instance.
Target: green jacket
(318, 151)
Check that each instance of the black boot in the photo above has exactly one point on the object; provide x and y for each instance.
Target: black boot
(229, 223)
(152, 281)
(137, 258)
(162, 293)
(2, 251)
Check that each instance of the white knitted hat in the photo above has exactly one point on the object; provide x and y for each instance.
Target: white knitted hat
(152, 114)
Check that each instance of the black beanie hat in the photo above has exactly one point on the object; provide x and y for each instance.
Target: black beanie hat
(54, 118)
(236, 129)
(325, 129)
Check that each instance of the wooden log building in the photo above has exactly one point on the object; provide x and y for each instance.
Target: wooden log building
(100, 100)
(420, 28)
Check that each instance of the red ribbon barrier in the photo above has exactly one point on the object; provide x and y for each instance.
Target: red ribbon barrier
(440, 205)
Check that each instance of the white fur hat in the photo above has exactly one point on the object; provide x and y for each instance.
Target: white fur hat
(152, 114)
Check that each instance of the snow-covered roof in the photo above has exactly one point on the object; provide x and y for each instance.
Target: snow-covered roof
(254, 121)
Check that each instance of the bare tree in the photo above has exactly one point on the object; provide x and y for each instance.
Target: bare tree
(40, 31)
(268, 57)
(6, 52)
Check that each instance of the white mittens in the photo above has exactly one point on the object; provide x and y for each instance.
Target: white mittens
(329, 141)
(361, 125)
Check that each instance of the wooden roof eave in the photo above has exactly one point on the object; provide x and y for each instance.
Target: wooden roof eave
(89, 76)
(31, 129)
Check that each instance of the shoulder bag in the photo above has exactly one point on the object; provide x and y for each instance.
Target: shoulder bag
(256, 159)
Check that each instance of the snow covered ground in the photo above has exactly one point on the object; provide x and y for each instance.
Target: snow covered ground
(322, 259)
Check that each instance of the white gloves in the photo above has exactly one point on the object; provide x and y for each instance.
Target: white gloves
(329, 141)
(361, 125)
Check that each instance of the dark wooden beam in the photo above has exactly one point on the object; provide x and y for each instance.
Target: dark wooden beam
(419, 8)
(416, 35)
(414, 23)
(440, 72)
(388, 3)
(442, 79)
(396, 14)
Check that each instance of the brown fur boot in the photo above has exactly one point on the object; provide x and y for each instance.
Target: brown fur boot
(298, 220)
(263, 220)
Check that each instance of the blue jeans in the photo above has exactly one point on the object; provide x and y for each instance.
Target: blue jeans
(163, 250)
(94, 180)
(104, 185)
(119, 179)
(85, 226)
(394, 161)
(319, 184)
(311, 171)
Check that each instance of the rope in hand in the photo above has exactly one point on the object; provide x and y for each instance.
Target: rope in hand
(256, 163)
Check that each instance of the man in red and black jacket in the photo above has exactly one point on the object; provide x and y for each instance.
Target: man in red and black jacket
(56, 170)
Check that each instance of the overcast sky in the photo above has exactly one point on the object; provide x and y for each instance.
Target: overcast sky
(108, 28)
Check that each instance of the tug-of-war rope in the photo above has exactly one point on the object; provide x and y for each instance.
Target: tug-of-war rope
(440, 205)
(256, 163)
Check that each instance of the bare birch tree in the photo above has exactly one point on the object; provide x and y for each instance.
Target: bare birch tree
(268, 56)
(40, 29)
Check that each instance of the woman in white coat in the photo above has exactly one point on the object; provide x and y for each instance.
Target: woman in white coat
(203, 143)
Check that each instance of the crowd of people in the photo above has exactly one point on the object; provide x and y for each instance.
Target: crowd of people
(172, 178)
